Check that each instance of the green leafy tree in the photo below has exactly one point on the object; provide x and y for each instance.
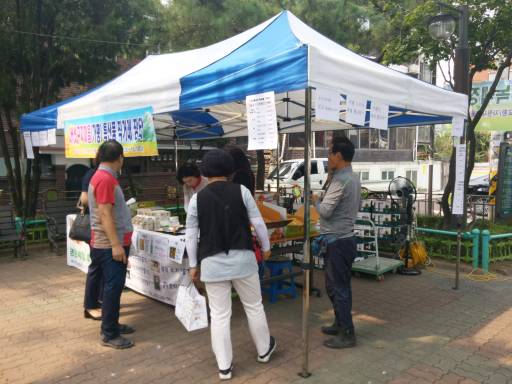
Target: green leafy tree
(490, 38)
(49, 44)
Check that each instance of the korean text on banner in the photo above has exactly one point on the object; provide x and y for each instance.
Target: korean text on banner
(460, 170)
(261, 121)
(356, 110)
(379, 115)
(134, 129)
(327, 105)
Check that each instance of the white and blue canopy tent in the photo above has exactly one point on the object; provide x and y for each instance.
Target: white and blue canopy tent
(199, 94)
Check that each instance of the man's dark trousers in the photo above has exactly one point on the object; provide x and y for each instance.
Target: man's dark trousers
(114, 276)
(338, 264)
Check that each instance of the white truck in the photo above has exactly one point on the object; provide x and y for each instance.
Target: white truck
(291, 172)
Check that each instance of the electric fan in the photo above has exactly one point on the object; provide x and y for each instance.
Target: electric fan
(403, 195)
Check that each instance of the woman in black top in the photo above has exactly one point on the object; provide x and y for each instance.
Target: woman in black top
(243, 174)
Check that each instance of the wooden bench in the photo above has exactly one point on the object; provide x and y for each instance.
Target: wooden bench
(8, 232)
(55, 213)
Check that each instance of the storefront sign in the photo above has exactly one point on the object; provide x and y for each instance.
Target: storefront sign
(133, 129)
(498, 114)
(156, 275)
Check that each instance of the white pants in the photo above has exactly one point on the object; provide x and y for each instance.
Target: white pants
(219, 300)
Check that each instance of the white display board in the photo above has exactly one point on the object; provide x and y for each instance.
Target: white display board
(261, 121)
(155, 274)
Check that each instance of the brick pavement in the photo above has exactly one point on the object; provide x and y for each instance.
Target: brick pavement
(410, 330)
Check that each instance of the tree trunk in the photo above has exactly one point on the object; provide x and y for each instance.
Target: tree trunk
(15, 139)
(15, 198)
(34, 193)
(260, 176)
(448, 190)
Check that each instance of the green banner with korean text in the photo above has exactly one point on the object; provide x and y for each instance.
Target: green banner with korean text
(498, 114)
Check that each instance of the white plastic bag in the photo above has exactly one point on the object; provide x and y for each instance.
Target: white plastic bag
(190, 308)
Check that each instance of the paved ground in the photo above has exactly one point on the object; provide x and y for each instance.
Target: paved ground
(410, 330)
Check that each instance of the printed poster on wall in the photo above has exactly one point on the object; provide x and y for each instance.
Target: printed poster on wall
(261, 121)
(134, 129)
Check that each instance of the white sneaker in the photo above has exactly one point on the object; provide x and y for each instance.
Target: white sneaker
(226, 374)
(266, 357)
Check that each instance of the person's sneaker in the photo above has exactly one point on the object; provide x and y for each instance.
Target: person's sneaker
(125, 329)
(118, 342)
(346, 339)
(266, 357)
(226, 374)
(331, 330)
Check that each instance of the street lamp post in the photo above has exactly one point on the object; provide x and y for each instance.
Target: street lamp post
(441, 27)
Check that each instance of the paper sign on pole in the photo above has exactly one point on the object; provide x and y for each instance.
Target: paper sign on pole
(457, 126)
(35, 139)
(43, 138)
(327, 105)
(52, 136)
(261, 121)
(356, 110)
(379, 115)
(460, 170)
(28, 145)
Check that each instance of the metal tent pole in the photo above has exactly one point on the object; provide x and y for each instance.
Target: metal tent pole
(307, 249)
(176, 172)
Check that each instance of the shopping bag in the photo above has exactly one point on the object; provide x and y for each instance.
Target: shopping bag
(190, 308)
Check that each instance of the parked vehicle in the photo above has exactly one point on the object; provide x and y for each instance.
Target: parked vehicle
(291, 173)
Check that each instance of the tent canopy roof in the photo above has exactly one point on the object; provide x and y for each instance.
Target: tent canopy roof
(199, 93)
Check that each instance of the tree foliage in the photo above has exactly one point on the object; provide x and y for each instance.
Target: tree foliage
(490, 42)
(49, 44)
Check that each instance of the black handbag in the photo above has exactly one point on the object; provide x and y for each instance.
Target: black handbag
(81, 228)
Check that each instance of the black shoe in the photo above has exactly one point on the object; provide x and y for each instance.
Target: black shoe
(226, 374)
(346, 339)
(266, 357)
(332, 330)
(123, 330)
(118, 342)
(88, 315)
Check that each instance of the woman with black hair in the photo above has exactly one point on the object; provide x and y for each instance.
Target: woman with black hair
(190, 177)
(243, 173)
(221, 215)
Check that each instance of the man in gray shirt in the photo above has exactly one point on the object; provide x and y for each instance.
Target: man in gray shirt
(338, 211)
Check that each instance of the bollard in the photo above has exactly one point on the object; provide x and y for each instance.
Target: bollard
(475, 233)
(486, 235)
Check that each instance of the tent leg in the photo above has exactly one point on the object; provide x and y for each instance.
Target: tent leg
(176, 172)
(307, 249)
(277, 165)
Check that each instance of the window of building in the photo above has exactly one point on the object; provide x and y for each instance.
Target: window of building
(374, 138)
(47, 169)
(412, 175)
(353, 135)
(364, 138)
(388, 175)
(364, 175)
(383, 138)
(296, 140)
